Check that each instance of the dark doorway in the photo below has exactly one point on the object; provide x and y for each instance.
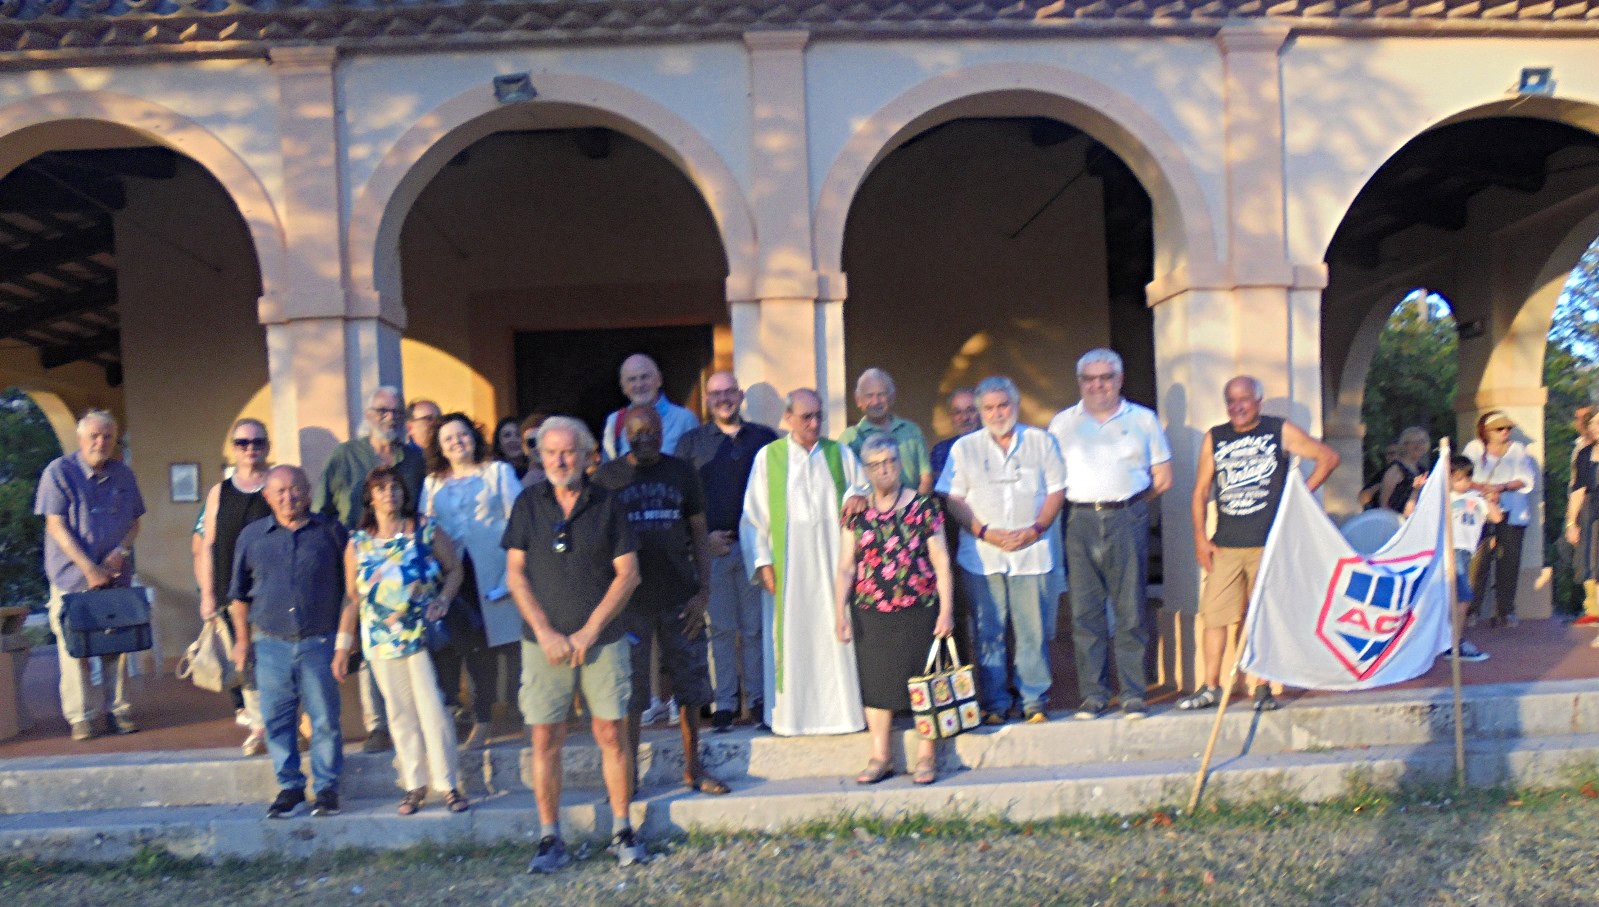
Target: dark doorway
(575, 372)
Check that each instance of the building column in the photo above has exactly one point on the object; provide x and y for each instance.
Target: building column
(787, 333)
(327, 350)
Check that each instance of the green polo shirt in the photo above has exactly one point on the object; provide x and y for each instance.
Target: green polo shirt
(913, 458)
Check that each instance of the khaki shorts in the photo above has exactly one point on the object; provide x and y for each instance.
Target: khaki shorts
(1227, 587)
(546, 693)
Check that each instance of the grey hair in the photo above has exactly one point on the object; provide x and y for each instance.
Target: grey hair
(96, 415)
(385, 389)
(1100, 354)
(1000, 384)
(961, 390)
(880, 375)
(580, 432)
(1414, 432)
(794, 395)
(1255, 385)
(879, 441)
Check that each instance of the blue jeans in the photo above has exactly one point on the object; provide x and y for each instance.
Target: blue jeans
(996, 597)
(290, 675)
(1107, 563)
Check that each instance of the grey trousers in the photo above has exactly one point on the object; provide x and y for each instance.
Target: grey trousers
(1107, 562)
(735, 612)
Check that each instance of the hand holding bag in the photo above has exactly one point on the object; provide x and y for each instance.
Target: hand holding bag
(208, 662)
(944, 696)
(106, 621)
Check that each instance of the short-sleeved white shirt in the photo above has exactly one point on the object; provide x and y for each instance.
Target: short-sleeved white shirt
(1005, 490)
(1110, 460)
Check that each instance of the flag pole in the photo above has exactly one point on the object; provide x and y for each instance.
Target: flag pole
(1457, 618)
(1215, 728)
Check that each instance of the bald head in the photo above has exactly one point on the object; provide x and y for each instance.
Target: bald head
(723, 398)
(641, 379)
(288, 493)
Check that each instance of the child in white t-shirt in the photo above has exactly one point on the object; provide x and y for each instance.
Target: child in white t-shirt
(1469, 511)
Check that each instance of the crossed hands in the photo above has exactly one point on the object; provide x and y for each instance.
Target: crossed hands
(561, 649)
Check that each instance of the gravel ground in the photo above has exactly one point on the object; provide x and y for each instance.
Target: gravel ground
(1492, 849)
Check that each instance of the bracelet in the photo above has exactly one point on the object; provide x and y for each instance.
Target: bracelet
(345, 641)
(982, 531)
(1039, 530)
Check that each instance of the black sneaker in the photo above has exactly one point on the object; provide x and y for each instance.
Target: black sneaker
(627, 848)
(1134, 709)
(721, 721)
(287, 801)
(1468, 652)
(1205, 697)
(1091, 708)
(327, 803)
(378, 741)
(550, 857)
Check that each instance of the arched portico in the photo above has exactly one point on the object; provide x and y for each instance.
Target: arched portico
(565, 101)
(1185, 229)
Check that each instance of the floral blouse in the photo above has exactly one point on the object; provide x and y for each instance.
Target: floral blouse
(893, 570)
(395, 576)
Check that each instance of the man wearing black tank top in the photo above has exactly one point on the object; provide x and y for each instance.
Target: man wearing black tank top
(1243, 464)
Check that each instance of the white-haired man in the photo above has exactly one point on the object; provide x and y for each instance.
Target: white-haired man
(1117, 461)
(91, 508)
(641, 383)
(874, 396)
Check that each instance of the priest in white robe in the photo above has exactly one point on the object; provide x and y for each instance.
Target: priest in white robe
(789, 535)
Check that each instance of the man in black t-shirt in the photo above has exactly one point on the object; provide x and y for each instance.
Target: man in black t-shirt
(570, 565)
(665, 507)
(1243, 464)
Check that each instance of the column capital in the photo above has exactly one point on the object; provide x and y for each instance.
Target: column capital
(1220, 277)
(777, 40)
(1252, 38)
(303, 58)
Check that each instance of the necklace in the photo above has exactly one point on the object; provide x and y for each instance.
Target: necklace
(892, 505)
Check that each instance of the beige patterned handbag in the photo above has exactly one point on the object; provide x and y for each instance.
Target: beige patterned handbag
(944, 696)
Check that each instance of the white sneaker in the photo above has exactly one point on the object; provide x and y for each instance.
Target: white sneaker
(672, 713)
(242, 719)
(657, 711)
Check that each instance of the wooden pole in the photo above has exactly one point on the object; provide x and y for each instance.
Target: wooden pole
(1457, 619)
(1215, 728)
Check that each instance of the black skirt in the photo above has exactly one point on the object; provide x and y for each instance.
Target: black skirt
(890, 648)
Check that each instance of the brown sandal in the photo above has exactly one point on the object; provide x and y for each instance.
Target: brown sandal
(454, 802)
(412, 801)
(708, 784)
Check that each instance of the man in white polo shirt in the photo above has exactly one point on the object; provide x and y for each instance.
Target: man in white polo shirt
(1117, 461)
(1003, 487)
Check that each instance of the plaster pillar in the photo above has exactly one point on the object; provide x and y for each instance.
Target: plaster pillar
(789, 332)
(327, 351)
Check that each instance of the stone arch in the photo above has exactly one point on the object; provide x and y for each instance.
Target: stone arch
(565, 100)
(1185, 231)
(33, 126)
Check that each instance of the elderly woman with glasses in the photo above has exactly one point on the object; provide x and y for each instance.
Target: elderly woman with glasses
(896, 596)
(1501, 466)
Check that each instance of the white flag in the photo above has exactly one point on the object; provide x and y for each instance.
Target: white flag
(1325, 618)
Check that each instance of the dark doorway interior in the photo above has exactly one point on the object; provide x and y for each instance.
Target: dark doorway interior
(575, 372)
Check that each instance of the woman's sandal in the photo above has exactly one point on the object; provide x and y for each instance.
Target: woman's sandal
(926, 771)
(454, 802)
(707, 784)
(875, 771)
(412, 801)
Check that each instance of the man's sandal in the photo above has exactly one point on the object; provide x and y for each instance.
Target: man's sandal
(875, 771)
(708, 784)
(412, 801)
(454, 802)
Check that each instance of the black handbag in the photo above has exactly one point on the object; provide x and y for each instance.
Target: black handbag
(106, 622)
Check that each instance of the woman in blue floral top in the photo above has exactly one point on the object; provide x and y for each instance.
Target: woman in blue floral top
(894, 569)
(400, 574)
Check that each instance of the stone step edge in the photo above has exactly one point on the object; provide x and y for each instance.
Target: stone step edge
(1014, 794)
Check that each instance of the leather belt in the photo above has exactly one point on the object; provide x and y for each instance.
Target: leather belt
(1109, 505)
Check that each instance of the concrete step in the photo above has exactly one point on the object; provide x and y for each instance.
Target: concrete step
(1026, 793)
(1383, 718)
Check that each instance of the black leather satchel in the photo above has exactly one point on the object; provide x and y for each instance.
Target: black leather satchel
(106, 622)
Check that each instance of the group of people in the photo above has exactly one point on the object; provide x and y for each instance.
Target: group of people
(801, 578)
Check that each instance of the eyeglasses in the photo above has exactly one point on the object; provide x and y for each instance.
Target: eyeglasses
(889, 463)
(562, 537)
(396, 412)
(245, 443)
(809, 417)
(425, 418)
(1096, 379)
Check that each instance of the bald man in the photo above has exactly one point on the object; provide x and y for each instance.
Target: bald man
(641, 382)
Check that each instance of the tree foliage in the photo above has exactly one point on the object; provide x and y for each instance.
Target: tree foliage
(1412, 378)
(27, 444)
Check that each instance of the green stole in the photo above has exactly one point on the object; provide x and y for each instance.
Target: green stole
(777, 507)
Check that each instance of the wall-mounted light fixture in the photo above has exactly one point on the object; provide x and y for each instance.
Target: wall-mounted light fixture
(1537, 80)
(514, 88)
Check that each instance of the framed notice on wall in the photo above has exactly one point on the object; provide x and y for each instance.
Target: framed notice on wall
(185, 481)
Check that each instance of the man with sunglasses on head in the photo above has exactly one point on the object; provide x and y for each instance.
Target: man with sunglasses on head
(571, 565)
(381, 441)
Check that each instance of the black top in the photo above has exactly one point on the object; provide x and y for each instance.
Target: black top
(292, 579)
(1251, 467)
(569, 584)
(235, 510)
(659, 500)
(939, 455)
(724, 463)
(1403, 490)
(1584, 471)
